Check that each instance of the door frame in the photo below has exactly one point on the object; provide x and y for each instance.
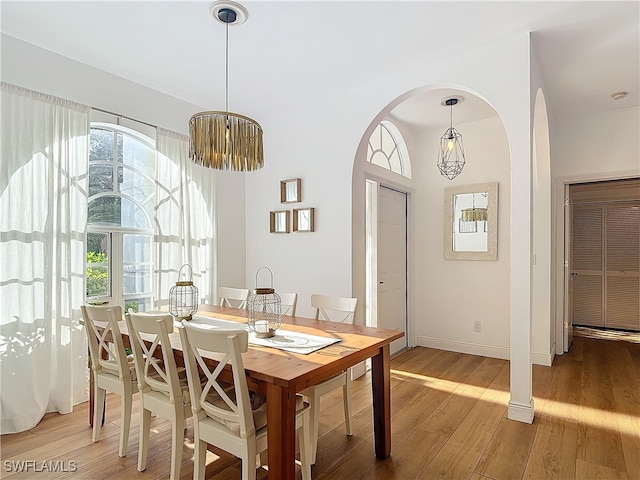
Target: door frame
(561, 255)
(371, 284)
(567, 324)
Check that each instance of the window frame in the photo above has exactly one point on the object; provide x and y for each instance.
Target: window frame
(399, 148)
(116, 234)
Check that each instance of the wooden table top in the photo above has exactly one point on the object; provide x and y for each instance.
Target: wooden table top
(357, 343)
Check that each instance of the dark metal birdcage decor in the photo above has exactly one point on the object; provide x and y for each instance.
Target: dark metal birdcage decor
(265, 309)
(183, 297)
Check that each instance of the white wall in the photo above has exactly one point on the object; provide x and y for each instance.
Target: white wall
(34, 68)
(598, 146)
(455, 293)
(318, 148)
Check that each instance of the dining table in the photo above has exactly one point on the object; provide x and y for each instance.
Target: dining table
(280, 374)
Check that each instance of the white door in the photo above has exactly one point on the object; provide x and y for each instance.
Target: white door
(392, 263)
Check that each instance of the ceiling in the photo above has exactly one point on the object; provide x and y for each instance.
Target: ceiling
(289, 50)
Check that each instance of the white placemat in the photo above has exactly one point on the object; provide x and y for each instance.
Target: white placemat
(295, 342)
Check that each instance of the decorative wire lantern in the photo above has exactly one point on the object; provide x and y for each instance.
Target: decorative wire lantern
(183, 297)
(451, 153)
(265, 309)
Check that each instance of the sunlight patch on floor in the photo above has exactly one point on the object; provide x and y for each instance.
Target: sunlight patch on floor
(584, 415)
(470, 391)
(615, 421)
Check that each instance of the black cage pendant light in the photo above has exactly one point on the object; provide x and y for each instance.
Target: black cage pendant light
(451, 155)
(226, 140)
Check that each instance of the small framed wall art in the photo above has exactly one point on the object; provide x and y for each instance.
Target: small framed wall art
(279, 221)
(303, 220)
(290, 190)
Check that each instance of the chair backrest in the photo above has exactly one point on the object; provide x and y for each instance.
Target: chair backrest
(230, 406)
(161, 305)
(288, 303)
(335, 309)
(155, 365)
(233, 297)
(106, 347)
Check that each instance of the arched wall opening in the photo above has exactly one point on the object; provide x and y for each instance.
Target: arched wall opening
(542, 314)
(445, 298)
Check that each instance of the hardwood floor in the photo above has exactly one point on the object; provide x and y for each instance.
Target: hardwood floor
(449, 422)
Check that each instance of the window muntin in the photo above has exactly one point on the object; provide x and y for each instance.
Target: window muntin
(387, 149)
(136, 263)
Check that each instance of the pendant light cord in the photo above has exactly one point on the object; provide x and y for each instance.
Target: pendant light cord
(451, 116)
(226, 69)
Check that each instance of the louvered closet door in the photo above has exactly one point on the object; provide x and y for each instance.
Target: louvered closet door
(622, 286)
(587, 268)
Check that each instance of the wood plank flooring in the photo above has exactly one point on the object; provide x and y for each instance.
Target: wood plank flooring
(449, 422)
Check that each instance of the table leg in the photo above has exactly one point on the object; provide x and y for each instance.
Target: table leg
(281, 432)
(381, 386)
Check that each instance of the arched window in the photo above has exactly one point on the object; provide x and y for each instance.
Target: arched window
(387, 149)
(120, 212)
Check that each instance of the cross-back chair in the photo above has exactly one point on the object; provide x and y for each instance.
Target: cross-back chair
(163, 387)
(233, 297)
(112, 370)
(227, 415)
(334, 309)
(288, 303)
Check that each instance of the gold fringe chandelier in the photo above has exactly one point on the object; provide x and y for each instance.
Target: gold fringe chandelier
(474, 215)
(226, 140)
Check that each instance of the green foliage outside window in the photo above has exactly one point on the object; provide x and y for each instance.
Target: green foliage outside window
(97, 275)
(133, 305)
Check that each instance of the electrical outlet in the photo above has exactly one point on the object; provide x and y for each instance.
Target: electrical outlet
(477, 326)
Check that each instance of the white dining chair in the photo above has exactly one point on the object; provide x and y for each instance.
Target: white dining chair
(227, 415)
(288, 303)
(233, 297)
(334, 309)
(112, 370)
(163, 387)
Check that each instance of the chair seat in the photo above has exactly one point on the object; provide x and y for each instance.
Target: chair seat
(184, 385)
(326, 386)
(258, 408)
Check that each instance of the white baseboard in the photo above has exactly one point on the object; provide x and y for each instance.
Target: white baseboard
(463, 347)
(545, 359)
(520, 412)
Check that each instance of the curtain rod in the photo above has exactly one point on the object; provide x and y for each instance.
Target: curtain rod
(124, 116)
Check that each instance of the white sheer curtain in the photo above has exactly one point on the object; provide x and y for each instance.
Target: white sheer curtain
(185, 218)
(43, 210)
